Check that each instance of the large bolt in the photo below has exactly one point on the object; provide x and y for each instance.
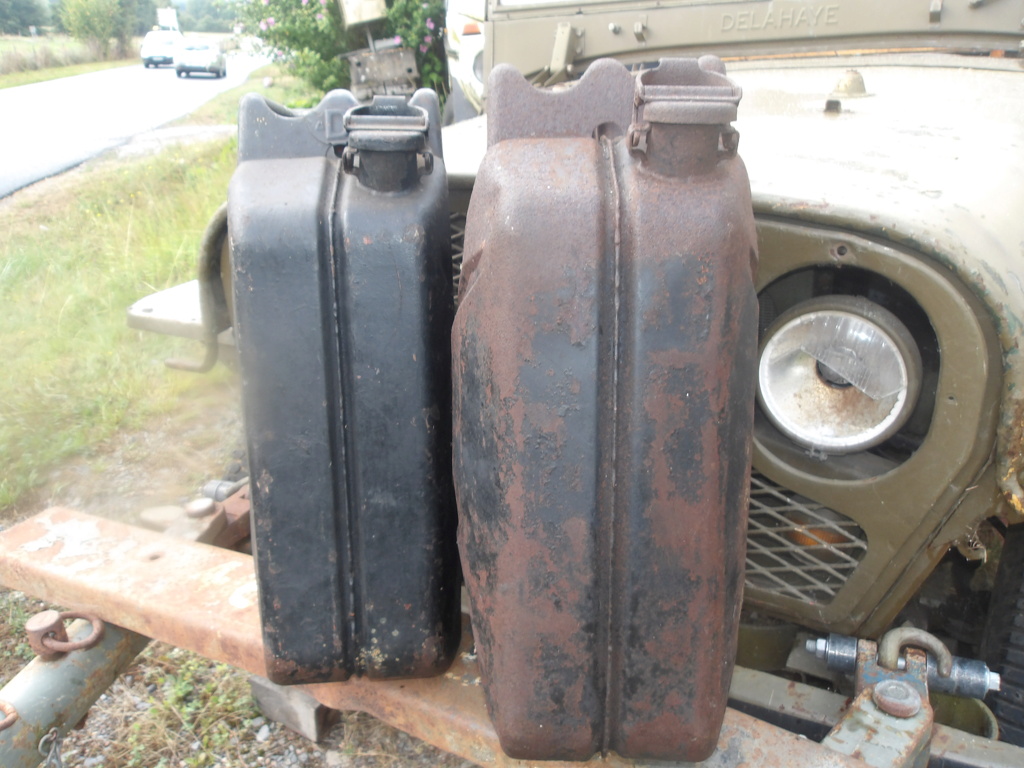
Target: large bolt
(817, 646)
(201, 507)
(896, 698)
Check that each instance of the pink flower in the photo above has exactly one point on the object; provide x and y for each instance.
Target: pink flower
(271, 22)
(398, 39)
(263, 25)
(319, 17)
(430, 23)
(266, 2)
(423, 49)
(428, 39)
(305, 2)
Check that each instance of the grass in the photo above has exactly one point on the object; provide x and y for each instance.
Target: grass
(31, 76)
(284, 89)
(15, 609)
(27, 60)
(69, 267)
(70, 264)
(192, 716)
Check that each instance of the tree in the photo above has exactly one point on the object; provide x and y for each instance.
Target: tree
(17, 16)
(312, 37)
(207, 15)
(309, 35)
(94, 22)
(57, 16)
(125, 26)
(419, 24)
(145, 17)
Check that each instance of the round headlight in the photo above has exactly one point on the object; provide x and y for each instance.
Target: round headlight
(838, 374)
(478, 66)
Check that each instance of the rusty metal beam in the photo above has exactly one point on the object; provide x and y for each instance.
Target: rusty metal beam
(190, 595)
(204, 599)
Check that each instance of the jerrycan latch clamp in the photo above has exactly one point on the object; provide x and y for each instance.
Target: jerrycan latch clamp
(684, 92)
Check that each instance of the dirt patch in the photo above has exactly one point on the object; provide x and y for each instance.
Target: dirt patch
(165, 463)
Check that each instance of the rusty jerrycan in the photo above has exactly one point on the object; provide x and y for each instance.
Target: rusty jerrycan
(604, 353)
(340, 250)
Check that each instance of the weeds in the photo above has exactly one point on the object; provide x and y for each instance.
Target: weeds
(70, 265)
(192, 716)
(15, 609)
(26, 60)
(20, 54)
(280, 87)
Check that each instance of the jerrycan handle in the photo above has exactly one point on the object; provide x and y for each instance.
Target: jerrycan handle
(685, 92)
(387, 144)
(389, 122)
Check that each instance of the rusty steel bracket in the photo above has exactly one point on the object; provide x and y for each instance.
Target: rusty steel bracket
(889, 723)
(813, 712)
(236, 510)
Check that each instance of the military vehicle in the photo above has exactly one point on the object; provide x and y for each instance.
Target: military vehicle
(884, 145)
(860, 126)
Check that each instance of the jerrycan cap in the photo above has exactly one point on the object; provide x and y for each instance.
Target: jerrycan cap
(387, 124)
(686, 92)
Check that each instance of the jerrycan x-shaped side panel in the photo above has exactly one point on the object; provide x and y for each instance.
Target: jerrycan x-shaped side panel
(338, 220)
(604, 356)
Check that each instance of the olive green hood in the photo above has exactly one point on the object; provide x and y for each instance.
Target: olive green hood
(930, 157)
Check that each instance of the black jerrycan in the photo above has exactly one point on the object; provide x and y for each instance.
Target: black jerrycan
(341, 264)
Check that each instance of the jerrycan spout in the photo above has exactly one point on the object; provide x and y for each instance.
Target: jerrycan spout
(682, 111)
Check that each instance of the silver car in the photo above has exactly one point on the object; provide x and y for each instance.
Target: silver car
(200, 57)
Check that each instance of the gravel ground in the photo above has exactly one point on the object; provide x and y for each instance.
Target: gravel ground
(357, 740)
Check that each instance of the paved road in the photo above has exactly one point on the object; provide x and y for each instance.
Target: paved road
(49, 127)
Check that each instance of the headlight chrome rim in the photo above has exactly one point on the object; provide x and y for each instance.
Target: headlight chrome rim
(859, 403)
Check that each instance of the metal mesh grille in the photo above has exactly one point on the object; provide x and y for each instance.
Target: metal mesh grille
(797, 547)
(457, 227)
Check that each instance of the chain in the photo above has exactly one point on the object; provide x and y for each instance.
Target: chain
(49, 747)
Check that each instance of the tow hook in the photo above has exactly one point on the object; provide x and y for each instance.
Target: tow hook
(889, 722)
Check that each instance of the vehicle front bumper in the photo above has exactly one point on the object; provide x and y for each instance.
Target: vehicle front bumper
(204, 599)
